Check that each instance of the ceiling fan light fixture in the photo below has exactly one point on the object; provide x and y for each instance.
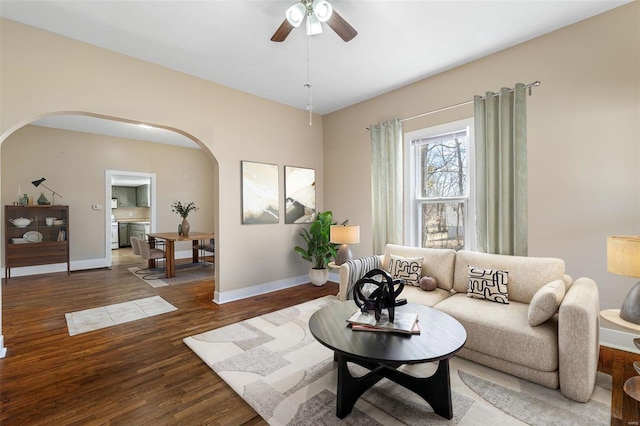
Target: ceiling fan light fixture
(322, 9)
(314, 26)
(295, 14)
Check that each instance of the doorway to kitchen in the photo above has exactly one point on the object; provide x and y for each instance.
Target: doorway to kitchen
(131, 198)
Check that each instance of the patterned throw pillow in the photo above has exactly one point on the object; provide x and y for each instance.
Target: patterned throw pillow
(407, 268)
(490, 284)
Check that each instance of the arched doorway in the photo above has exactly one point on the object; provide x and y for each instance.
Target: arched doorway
(74, 161)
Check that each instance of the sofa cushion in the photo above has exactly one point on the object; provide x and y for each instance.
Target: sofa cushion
(427, 298)
(526, 274)
(490, 284)
(545, 302)
(503, 331)
(408, 269)
(437, 263)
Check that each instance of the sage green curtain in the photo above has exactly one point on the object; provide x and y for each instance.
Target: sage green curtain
(386, 183)
(501, 171)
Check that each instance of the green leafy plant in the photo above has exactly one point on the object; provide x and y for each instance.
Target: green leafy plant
(320, 251)
(183, 209)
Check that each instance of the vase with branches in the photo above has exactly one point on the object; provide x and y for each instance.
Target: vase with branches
(183, 210)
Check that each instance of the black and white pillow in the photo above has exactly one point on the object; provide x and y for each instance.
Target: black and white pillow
(490, 284)
(407, 268)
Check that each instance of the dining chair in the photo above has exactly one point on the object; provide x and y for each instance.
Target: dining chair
(149, 253)
(206, 247)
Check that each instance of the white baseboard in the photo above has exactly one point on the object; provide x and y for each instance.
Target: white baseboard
(230, 296)
(243, 293)
(76, 265)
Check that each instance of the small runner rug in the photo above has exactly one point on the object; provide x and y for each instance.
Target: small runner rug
(185, 273)
(119, 313)
(274, 363)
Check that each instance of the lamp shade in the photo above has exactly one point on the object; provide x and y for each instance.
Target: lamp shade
(322, 9)
(344, 234)
(295, 14)
(623, 255)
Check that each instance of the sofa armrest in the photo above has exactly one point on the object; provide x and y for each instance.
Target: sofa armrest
(345, 272)
(578, 340)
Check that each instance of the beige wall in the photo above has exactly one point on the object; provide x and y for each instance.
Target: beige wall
(42, 73)
(583, 139)
(74, 164)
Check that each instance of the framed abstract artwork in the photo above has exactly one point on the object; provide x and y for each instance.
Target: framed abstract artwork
(260, 193)
(300, 194)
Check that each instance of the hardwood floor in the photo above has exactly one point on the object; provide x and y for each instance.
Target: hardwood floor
(137, 373)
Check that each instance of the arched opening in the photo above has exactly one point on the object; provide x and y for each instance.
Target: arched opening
(79, 164)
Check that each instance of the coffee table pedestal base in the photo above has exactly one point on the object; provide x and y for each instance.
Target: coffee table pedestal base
(435, 390)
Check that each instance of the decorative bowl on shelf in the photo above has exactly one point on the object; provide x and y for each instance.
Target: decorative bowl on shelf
(58, 222)
(21, 222)
(18, 240)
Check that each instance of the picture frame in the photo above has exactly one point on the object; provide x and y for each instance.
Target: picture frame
(260, 193)
(300, 194)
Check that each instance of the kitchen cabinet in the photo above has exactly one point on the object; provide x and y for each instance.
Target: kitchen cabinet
(136, 230)
(34, 242)
(126, 196)
(123, 235)
(142, 196)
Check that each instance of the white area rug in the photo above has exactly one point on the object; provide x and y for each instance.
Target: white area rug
(274, 363)
(119, 313)
(185, 273)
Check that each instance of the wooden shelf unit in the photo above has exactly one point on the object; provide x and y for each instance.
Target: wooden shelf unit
(48, 251)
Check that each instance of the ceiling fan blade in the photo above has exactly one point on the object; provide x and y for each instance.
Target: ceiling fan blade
(282, 32)
(341, 27)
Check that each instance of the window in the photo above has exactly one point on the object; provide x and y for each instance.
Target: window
(439, 203)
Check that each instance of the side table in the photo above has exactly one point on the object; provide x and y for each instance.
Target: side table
(625, 382)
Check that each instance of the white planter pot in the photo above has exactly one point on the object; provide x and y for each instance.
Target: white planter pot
(319, 276)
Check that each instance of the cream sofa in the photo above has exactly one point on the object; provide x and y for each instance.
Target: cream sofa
(560, 352)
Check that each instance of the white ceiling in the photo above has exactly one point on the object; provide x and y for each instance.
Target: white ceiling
(228, 41)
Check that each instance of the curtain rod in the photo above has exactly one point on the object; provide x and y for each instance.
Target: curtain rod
(527, 86)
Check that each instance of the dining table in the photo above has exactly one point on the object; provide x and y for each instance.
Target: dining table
(170, 238)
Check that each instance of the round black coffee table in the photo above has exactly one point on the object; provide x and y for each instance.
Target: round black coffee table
(441, 336)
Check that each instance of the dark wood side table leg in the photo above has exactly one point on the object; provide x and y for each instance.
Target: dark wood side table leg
(619, 364)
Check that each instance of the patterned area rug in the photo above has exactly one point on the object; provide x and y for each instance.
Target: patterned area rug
(274, 363)
(185, 273)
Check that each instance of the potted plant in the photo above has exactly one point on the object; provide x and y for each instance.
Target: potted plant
(183, 210)
(320, 251)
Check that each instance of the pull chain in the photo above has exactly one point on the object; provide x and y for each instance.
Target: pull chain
(308, 83)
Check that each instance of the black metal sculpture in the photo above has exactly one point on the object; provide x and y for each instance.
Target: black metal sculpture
(384, 294)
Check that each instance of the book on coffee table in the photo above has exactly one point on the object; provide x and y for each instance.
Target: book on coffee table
(403, 322)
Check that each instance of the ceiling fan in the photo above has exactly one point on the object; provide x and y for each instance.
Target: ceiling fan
(316, 12)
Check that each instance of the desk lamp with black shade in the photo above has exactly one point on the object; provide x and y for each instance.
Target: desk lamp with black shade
(38, 182)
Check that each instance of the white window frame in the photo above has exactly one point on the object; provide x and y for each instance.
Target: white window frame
(411, 217)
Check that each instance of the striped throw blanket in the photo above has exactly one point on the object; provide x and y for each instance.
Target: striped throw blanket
(357, 269)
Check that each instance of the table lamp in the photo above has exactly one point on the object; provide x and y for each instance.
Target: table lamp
(345, 235)
(623, 258)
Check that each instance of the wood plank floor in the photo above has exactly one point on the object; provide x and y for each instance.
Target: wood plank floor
(138, 373)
